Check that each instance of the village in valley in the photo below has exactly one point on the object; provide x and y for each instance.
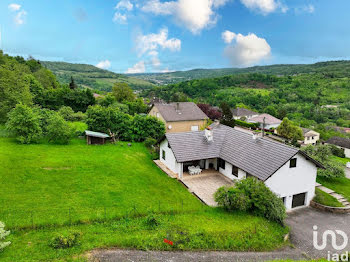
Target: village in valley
(243, 156)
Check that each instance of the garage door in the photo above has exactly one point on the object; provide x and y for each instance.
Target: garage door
(299, 200)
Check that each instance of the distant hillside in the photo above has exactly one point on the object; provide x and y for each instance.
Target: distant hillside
(92, 77)
(331, 69)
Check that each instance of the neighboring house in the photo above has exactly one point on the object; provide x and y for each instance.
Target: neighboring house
(287, 171)
(243, 113)
(179, 117)
(95, 138)
(266, 121)
(340, 142)
(310, 136)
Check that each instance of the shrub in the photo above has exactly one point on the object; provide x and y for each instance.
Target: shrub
(337, 151)
(252, 195)
(3, 235)
(150, 142)
(246, 124)
(77, 128)
(25, 124)
(58, 130)
(65, 241)
(66, 112)
(147, 126)
(333, 169)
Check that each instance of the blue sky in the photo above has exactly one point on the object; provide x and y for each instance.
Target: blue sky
(138, 36)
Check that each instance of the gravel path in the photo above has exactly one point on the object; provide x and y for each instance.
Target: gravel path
(178, 256)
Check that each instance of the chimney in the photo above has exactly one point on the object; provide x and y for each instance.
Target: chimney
(208, 133)
(177, 106)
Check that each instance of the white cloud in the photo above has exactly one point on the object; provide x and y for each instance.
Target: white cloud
(195, 15)
(264, 6)
(305, 9)
(20, 17)
(14, 7)
(120, 18)
(151, 42)
(166, 70)
(124, 4)
(155, 61)
(228, 36)
(104, 64)
(247, 50)
(137, 68)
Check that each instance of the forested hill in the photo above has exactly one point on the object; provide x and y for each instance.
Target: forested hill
(91, 76)
(302, 98)
(331, 69)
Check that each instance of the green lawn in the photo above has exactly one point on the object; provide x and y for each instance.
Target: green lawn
(341, 160)
(325, 199)
(339, 185)
(48, 189)
(56, 182)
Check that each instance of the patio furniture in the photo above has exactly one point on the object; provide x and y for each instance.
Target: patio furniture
(192, 170)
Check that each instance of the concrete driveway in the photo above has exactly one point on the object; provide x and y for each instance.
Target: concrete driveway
(301, 223)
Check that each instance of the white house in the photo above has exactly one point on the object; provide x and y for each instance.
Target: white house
(310, 136)
(266, 121)
(287, 171)
(340, 142)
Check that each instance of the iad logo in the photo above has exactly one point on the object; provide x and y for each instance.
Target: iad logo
(333, 236)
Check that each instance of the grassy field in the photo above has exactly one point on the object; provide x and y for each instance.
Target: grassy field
(325, 199)
(107, 193)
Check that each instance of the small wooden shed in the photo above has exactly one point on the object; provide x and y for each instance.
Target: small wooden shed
(95, 138)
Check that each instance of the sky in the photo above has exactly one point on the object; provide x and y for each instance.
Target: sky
(138, 36)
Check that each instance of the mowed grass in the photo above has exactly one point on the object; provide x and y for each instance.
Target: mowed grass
(339, 185)
(325, 199)
(210, 230)
(48, 184)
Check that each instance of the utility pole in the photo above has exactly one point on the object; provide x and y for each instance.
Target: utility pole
(263, 129)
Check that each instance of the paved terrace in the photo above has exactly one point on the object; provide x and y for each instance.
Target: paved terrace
(205, 184)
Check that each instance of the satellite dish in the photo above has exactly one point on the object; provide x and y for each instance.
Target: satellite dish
(170, 127)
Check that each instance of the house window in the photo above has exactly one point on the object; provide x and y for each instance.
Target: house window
(194, 128)
(163, 154)
(221, 163)
(235, 171)
(293, 163)
(168, 145)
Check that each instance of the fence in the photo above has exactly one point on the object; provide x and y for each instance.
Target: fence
(52, 217)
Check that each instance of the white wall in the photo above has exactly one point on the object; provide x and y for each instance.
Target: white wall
(228, 172)
(287, 181)
(347, 152)
(309, 141)
(170, 160)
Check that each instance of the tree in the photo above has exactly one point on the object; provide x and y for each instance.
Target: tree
(3, 235)
(67, 113)
(136, 107)
(72, 84)
(58, 130)
(147, 126)
(122, 92)
(288, 130)
(24, 123)
(211, 112)
(227, 117)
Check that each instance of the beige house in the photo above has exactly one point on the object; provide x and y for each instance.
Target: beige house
(310, 136)
(179, 117)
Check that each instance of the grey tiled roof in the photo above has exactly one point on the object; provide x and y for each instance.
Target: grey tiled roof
(187, 111)
(339, 141)
(243, 112)
(259, 157)
(269, 119)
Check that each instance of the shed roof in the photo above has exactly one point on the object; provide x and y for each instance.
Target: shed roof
(181, 111)
(339, 141)
(96, 134)
(259, 157)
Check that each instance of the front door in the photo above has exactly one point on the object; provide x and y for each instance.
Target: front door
(299, 200)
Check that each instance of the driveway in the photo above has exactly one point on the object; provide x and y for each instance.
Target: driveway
(301, 223)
